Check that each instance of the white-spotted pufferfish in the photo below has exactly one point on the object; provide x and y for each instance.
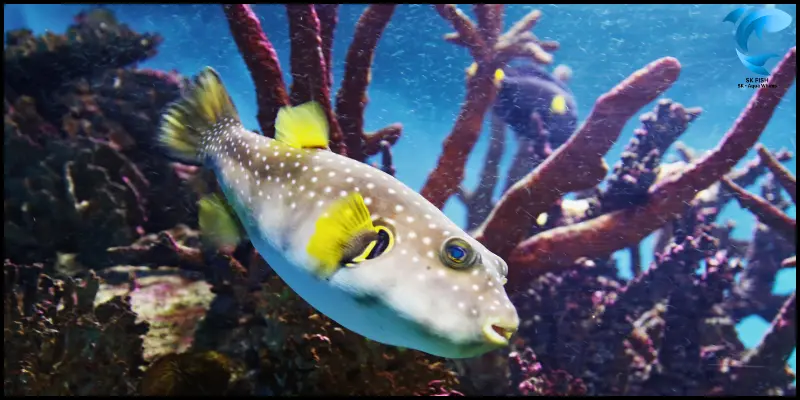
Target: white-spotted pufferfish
(354, 242)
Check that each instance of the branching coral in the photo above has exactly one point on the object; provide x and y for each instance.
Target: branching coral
(593, 237)
(490, 50)
(311, 75)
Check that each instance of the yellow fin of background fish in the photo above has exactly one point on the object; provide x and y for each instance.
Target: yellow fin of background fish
(558, 105)
(218, 223)
(185, 121)
(499, 75)
(342, 222)
(302, 126)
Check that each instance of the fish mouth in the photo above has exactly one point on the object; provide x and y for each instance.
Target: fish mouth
(498, 334)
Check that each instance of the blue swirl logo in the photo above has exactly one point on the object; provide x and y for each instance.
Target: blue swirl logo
(759, 20)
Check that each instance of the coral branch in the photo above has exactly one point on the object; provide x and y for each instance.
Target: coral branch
(351, 100)
(387, 165)
(479, 201)
(328, 19)
(782, 175)
(309, 71)
(610, 232)
(261, 60)
(777, 344)
(578, 164)
(467, 32)
(446, 177)
(766, 212)
(772, 352)
(490, 21)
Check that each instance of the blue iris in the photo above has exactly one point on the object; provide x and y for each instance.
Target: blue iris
(456, 252)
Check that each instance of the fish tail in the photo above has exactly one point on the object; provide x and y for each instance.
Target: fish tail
(186, 121)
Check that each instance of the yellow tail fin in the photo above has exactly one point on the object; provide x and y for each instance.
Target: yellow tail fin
(185, 121)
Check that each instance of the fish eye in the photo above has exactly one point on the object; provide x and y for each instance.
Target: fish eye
(503, 267)
(456, 253)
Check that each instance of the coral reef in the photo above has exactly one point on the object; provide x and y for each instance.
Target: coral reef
(58, 341)
(109, 291)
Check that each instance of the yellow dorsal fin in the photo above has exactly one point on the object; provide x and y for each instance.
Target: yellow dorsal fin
(558, 105)
(303, 126)
(219, 226)
(343, 222)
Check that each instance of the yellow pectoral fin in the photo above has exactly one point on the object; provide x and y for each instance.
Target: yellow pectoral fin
(218, 224)
(343, 222)
(558, 105)
(303, 126)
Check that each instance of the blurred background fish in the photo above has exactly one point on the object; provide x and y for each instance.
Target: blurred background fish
(527, 89)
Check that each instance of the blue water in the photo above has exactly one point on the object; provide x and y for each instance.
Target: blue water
(417, 78)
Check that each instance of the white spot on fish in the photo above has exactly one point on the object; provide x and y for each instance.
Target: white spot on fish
(410, 219)
(412, 235)
(368, 200)
(426, 240)
(398, 208)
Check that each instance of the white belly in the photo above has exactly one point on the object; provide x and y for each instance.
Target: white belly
(376, 323)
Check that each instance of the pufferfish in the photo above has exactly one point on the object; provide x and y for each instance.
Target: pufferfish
(356, 243)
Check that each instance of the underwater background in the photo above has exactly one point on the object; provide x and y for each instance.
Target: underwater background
(418, 80)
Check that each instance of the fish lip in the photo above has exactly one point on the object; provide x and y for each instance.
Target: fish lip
(491, 332)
